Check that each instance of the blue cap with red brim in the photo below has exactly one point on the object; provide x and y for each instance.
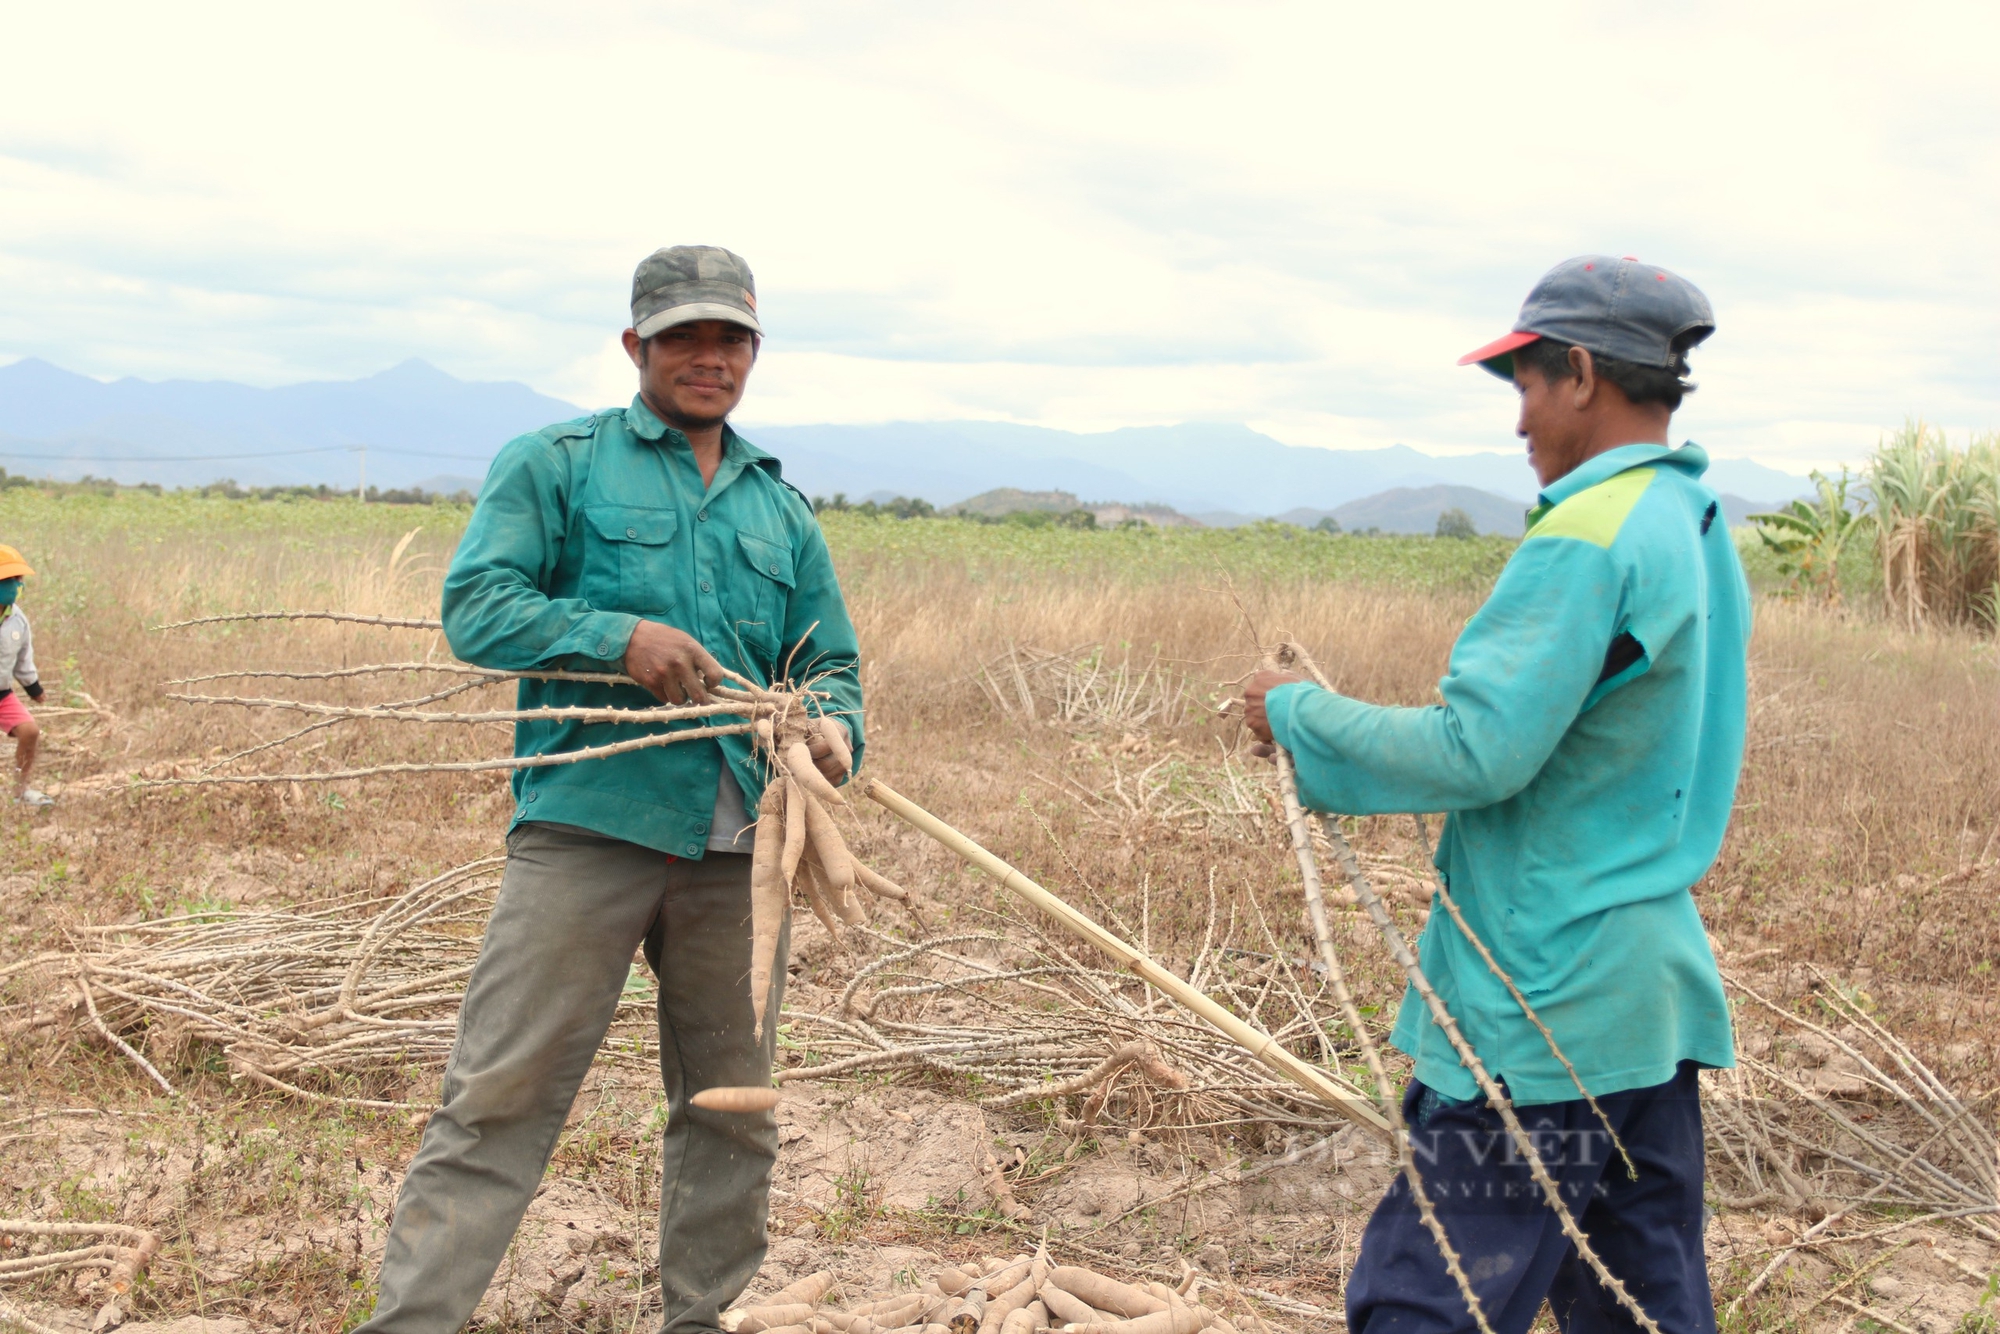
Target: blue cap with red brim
(1614, 307)
(1498, 355)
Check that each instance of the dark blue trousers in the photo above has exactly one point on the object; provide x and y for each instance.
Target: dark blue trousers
(1648, 1232)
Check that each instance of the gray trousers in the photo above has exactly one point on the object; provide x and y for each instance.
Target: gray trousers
(572, 909)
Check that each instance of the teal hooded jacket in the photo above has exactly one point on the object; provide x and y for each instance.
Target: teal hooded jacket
(586, 528)
(1587, 752)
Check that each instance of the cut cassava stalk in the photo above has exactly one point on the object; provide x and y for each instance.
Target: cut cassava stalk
(661, 714)
(1493, 966)
(444, 668)
(1337, 1094)
(1300, 832)
(1496, 1096)
(393, 622)
(1288, 654)
(122, 1252)
(745, 1098)
(1406, 1162)
(462, 767)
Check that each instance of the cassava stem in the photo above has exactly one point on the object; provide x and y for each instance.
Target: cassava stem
(1342, 1097)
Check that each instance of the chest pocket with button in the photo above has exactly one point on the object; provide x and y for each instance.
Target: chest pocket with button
(771, 592)
(628, 558)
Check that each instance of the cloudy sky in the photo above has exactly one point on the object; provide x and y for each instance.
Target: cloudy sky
(1083, 215)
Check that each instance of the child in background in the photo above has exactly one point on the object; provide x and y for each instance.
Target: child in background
(17, 664)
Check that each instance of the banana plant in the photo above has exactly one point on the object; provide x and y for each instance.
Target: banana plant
(1808, 536)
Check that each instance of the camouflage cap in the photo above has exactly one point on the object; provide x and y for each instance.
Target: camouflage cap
(692, 282)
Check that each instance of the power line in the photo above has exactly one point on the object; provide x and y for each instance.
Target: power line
(217, 458)
(166, 458)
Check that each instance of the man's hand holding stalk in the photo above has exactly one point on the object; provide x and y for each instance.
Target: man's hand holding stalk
(1254, 716)
(675, 669)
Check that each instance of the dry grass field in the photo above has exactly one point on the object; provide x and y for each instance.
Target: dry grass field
(1051, 693)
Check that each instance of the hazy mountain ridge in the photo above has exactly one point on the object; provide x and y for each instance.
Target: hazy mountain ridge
(457, 425)
(422, 425)
(1191, 467)
(1199, 469)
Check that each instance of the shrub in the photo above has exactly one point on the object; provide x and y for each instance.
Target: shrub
(1455, 522)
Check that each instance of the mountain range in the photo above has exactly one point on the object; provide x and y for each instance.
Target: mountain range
(418, 423)
(423, 427)
(1215, 472)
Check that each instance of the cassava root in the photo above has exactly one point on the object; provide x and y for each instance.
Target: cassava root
(1018, 1295)
(799, 847)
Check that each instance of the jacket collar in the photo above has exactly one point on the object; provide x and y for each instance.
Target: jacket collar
(1690, 458)
(737, 453)
(649, 427)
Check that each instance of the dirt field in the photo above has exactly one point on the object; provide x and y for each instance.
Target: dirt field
(1054, 701)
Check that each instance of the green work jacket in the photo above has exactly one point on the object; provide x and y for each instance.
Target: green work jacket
(584, 529)
(1587, 750)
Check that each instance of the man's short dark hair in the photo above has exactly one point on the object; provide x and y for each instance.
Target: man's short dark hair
(1641, 384)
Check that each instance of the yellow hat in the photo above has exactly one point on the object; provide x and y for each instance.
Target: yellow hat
(11, 564)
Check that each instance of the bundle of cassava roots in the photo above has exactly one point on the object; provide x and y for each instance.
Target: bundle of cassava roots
(799, 847)
(1026, 1294)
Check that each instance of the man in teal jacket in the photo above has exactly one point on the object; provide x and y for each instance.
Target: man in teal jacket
(1587, 751)
(655, 542)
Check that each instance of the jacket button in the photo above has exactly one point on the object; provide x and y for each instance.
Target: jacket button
(603, 649)
(702, 515)
(705, 587)
(774, 569)
(533, 795)
(631, 532)
(694, 850)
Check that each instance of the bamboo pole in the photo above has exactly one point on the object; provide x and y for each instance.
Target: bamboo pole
(1337, 1094)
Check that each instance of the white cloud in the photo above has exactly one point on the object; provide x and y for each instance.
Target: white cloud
(1084, 216)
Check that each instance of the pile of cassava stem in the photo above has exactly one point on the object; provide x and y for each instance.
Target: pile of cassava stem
(1023, 1295)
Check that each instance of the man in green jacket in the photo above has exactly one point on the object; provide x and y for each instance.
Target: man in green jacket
(656, 542)
(1586, 748)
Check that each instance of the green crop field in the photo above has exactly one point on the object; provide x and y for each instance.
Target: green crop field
(57, 529)
(1265, 551)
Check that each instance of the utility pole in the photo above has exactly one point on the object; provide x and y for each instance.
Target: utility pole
(362, 491)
